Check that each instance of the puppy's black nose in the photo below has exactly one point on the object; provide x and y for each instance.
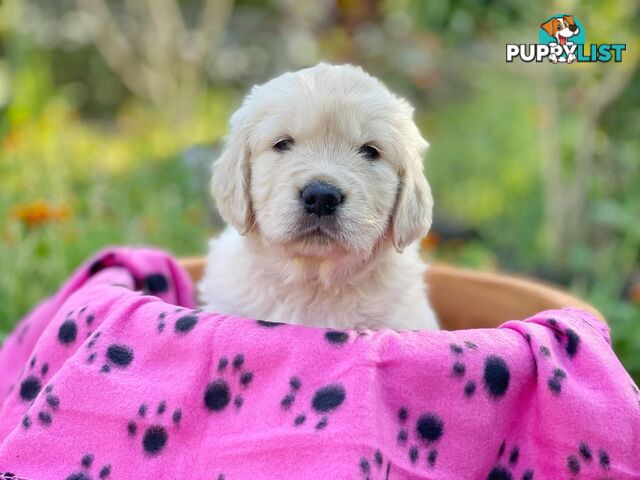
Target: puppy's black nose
(321, 198)
(573, 28)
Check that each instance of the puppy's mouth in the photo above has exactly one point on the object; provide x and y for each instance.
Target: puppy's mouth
(323, 230)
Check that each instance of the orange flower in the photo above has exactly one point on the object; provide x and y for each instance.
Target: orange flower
(634, 293)
(12, 140)
(39, 212)
(431, 241)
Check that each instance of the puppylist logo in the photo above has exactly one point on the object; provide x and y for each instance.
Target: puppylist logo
(562, 40)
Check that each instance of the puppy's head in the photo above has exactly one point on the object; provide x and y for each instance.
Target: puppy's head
(324, 160)
(561, 28)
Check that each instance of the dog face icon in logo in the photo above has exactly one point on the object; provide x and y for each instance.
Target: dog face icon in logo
(563, 31)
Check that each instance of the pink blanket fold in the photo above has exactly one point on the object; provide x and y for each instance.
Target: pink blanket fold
(117, 377)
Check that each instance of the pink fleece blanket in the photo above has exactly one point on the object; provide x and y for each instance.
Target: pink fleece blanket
(117, 377)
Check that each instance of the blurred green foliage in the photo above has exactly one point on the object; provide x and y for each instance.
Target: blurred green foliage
(101, 108)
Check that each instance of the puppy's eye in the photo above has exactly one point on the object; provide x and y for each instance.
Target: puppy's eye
(284, 145)
(369, 152)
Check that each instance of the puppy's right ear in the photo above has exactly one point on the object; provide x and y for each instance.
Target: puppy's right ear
(549, 26)
(231, 172)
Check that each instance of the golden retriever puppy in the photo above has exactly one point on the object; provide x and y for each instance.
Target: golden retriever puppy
(322, 183)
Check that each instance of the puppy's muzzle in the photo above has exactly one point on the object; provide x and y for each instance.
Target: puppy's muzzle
(320, 198)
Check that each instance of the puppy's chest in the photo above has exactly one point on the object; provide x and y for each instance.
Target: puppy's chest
(239, 283)
(335, 308)
(271, 299)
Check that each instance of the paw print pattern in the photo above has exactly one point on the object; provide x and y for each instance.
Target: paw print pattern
(32, 384)
(324, 401)
(87, 465)
(507, 465)
(496, 375)
(155, 436)
(116, 355)
(45, 415)
(88, 318)
(155, 284)
(162, 322)
(90, 346)
(555, 381)
(288, 400)
(572, 339)
(585, 457)
(69, 329)
(185, 323)
(182, 325)
(374, 468)
(106, 261)
(459, 369)
(427, 430)
(267, 324)
(336, 337)
(218, 394)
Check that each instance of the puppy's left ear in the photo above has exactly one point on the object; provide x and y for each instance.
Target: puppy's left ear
(231, 172)
(414, 204)
(569, 19)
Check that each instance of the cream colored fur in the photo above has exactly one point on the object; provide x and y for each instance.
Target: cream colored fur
(364, 271)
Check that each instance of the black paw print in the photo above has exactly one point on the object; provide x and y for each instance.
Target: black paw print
(162, 322)
(185, 323)
(288, 400)
(555, 381)
(32, 384)
(106, 261)
(87, 466)
(459, 369)
(116, 355)
(45, 415)
(90, 346)
(155, 436)
(182, 325)
(572, 339)
(336, 337)
(375, 468)
(427, 430)
(508, 464)
(267, 324)
(324, 401)
(496, 375)
(88, 318)
(68, 330)
(154, 284)
(218, 392)
(585, 456)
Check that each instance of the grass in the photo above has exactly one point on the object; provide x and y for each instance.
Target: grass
(149, 205)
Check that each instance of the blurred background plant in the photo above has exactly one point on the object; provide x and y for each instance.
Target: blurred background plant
(112, 111)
